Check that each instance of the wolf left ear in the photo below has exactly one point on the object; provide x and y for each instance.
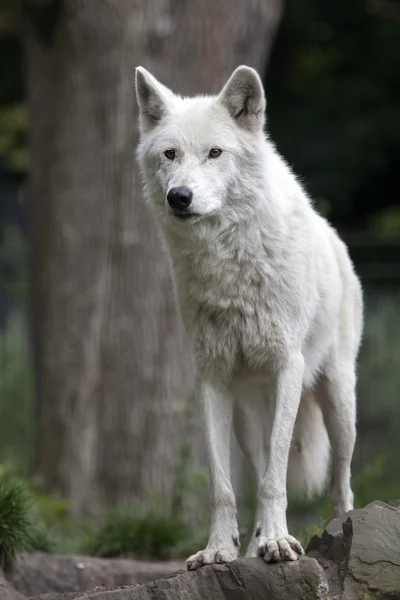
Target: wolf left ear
(152, 98)
(243, 96)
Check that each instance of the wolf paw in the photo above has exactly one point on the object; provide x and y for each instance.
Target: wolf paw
(274, 550)
(211, 556)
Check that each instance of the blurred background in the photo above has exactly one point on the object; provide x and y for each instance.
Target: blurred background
(96, 406)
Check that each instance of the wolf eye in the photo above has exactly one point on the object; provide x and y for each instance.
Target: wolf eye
(215, 153)
(170, 154)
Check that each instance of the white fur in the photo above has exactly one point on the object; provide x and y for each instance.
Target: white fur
(269, 299)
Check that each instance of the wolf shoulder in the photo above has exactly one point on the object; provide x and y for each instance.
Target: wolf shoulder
(307, 232)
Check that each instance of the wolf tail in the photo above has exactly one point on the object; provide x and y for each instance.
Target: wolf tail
(310, 451)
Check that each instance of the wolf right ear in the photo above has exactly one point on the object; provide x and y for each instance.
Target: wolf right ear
(152, 98)
(244, 98)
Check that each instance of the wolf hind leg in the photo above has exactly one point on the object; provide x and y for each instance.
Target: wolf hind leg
(337, 398)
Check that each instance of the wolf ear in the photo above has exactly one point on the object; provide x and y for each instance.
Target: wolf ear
(243, 96)
(152, 98)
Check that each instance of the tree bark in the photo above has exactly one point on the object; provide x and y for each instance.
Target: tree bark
(113, 378)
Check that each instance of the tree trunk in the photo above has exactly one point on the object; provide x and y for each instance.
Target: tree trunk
(113, 378)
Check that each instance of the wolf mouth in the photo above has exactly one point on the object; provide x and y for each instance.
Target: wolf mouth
(184, 215)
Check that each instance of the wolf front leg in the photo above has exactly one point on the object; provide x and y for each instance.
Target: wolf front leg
(217, 410)
(274, 541)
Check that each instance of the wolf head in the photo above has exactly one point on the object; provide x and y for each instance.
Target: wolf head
(201, 156)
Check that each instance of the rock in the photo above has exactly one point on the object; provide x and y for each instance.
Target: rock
(360, 553)
(7, 592)
(357, 557)
(39, 573)
(61, 596)
(250, 579)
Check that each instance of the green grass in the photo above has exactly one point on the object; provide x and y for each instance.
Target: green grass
(17, 524)
(128, 532)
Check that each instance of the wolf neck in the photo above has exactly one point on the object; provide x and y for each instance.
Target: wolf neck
(219, 254)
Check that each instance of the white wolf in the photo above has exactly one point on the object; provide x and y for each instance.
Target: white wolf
(269, 299)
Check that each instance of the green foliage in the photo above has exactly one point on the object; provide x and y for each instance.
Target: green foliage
(130, 532)
(377, 449)
(52, 509)
(8, 16)
(305, 535)
(41, 540)
(16, 377)
(14, 263)
(17, 528)
(13, 119)
(191, 544)
(369, 484)
(189, 481)
(56, 532)
(334, 103)
(33, 521)
(13, 137)
(387, 222)
(16, 396)
(155, 533)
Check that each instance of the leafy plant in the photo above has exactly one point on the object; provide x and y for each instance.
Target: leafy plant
(55, 531)
(17, 527)
(127, 532)
(306, 534)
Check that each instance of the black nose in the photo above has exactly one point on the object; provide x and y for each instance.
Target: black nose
(179, 198)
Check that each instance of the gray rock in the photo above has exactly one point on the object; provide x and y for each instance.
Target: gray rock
(7, 592)
(357, 557)
(39, 573)
(360, 553)
(247, 579)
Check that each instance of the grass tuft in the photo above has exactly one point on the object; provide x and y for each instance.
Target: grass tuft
(126, 532)
(17, 526)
